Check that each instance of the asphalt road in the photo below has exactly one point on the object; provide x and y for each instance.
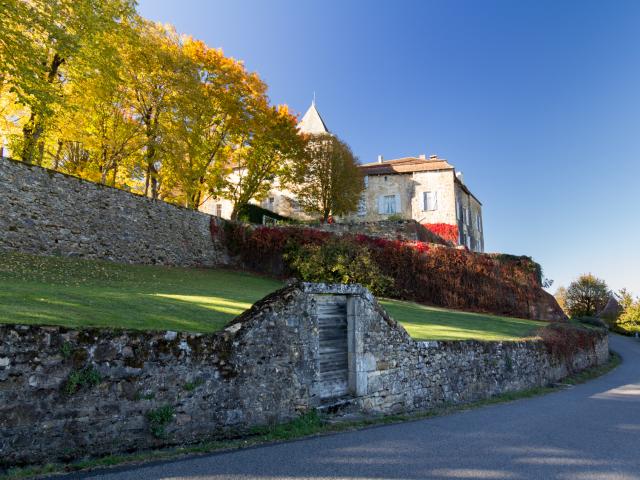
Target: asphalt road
(591, 431)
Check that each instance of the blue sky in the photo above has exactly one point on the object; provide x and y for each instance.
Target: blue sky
(538, 103)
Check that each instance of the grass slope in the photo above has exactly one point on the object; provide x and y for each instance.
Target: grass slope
(76, 293)
(431, 323)
(82, 293)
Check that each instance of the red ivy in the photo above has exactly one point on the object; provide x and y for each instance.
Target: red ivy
(422, 272)
(444, 230)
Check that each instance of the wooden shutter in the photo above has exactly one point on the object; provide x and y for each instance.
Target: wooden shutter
(381, 204)
(398, 206)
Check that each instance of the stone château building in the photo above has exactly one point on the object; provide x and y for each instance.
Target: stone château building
(427, 190)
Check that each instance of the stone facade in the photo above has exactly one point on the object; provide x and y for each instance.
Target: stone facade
(428, 191)
(66, 393)
(49, 213)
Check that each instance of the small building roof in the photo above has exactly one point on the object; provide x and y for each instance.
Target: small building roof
(406, 165)
(312, 122)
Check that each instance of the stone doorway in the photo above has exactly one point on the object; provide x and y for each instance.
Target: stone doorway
(333, 346)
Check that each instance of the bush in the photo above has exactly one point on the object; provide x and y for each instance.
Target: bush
(564, 341)
(593, 321)
(338, 261)
(418, 271)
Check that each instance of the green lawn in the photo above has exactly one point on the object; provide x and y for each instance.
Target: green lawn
(75, 293)
(431, 323)
(71, 292)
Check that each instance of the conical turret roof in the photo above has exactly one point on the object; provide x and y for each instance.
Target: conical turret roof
(312, 122)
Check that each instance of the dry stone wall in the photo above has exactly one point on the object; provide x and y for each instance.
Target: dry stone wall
(70, 393)
(49, 213)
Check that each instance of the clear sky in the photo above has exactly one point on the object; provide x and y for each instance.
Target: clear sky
(537, 103)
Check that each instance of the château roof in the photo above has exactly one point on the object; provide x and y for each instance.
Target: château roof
(312, 122)
(406, 165)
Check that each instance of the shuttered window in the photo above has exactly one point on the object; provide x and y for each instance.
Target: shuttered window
(362, 206)
(430, 201)
(389, 204)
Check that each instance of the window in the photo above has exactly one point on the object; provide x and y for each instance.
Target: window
(478, 222)
(465, 215)
(218, 210)
(389, 204)
(366, 181)
(271, 201)
(362, 206)
(430, 201)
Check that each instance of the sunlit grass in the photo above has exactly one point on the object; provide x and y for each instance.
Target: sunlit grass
(76, 293)
(82, 293)
(431, 323)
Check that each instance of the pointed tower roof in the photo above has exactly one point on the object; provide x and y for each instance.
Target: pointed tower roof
(312, 121)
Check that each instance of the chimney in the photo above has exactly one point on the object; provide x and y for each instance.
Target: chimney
(460, 177)
(380, 158)
(422, 156)
(433, 157)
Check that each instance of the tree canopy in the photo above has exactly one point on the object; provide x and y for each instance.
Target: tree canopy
(586, 296)
(329, 181)
(90, 88)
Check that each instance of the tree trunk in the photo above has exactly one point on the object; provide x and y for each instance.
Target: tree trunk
(115, 174)
(104, 167)
(235, 212)
(34, 128)
(56, 157)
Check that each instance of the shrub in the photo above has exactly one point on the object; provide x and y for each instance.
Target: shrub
(418, 271)
(564, 340)
(338, 261)
(593, 321)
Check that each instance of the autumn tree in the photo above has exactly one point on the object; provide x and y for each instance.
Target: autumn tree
(272, 147)
(561, 298)
(212, 118)
(44, 44)
(100, 118)
(329, 181)
(587, 296)
(154, 72)
(629, 317)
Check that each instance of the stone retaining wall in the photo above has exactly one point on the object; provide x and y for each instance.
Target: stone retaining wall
(49, 213)
(67, 393)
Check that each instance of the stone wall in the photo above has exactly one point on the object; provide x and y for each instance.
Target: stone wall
(408, 230)
(66, 393)
(49, 213)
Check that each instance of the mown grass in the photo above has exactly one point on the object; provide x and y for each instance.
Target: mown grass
(307, 425)
(431, 323)
(83, 293)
